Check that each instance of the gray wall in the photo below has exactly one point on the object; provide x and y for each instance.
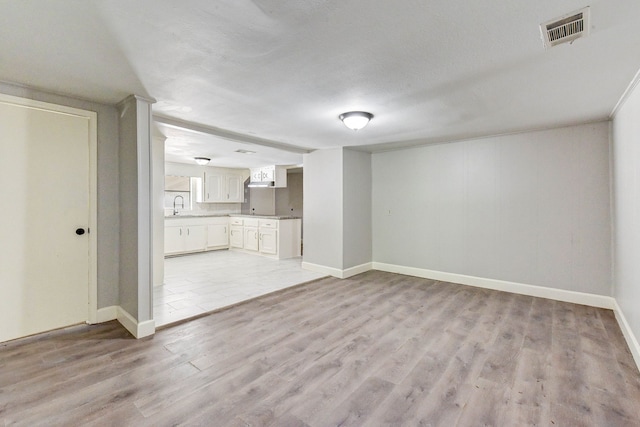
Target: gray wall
(626, 188)
(322, 219)
(108, 204)
(129, 207)
(289, 200)
(531, 208)
(357, 208)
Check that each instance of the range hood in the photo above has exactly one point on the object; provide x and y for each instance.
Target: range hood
(262, 184)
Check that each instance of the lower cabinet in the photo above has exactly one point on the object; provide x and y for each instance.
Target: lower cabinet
(269, 241)
(187, 238)
(251, 238)
(273, 238)
(217, 235)
(236, 236)
(185, 235)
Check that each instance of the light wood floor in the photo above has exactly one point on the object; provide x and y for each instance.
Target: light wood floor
(377, 349)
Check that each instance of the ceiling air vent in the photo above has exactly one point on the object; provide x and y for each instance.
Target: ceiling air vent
(565, 29)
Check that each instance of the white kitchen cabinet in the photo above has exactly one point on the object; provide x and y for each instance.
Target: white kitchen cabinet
(273, 238)
(217, 235)
(251, 238)
(236, 236)
(223, 187)
(173, 241)
(186, 238)
(195, 238)
(275, 174)
(195, 234)
(268, 241)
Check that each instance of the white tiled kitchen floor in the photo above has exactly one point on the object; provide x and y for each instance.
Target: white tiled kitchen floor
(199, 283)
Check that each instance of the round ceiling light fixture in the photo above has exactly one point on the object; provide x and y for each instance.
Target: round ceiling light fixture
(355, 120)
(202, 160)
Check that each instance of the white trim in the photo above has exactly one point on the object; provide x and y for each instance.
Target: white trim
(92, 117)
(501, 285)
(106, 314)
(625, 95)
(336, 272)
(629, 336)
(138, 330)
(352, 271)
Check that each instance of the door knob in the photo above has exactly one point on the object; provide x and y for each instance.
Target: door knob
(80, 231)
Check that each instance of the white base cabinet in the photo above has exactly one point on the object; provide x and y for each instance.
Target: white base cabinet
(272, 238)
(185, 235)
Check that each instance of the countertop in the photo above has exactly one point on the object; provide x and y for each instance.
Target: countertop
(278, 217)
(265, 216)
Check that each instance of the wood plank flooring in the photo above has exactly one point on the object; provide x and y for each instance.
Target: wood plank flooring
(378, 349)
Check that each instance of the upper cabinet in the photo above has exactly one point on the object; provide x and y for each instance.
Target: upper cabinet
(269, 176)
(223, 187)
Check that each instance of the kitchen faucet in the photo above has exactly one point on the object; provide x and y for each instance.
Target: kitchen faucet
(175, 210)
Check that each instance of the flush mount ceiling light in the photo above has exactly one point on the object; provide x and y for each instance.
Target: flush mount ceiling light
(355, 120)
(202, 160)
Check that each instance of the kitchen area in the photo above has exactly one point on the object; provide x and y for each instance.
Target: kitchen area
(230, 233)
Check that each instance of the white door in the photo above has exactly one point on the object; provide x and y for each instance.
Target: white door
(45, 218)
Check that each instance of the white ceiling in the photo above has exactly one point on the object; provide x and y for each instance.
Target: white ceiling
(280, 72)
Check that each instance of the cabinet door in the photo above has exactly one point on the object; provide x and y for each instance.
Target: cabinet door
(173, 241)
(235, 188)
(269, 241)
(236, 237)
(214, 188)
(256, 175)
(268, 173)
(251, 238)
(217, 235)
(195, 238)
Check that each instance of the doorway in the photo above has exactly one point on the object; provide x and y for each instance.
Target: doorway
(47, 223)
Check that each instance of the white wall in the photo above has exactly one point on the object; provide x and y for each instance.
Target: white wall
(322, 219)
(530, 208)
(357, 208)
(262, 201)
(626, 189)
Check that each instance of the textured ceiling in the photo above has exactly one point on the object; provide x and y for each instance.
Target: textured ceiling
(282, 71)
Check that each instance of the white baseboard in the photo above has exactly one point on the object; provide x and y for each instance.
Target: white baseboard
(107, 314)
(115, 312)
(629, 336)
(501, 285)
(336, 272)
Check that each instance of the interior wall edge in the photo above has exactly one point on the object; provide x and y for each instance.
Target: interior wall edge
(628, 334)
(336, 272)
(137, 329)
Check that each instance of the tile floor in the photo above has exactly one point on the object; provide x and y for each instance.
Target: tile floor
(199, 283)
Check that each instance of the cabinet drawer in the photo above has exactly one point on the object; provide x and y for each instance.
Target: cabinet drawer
(235, 221)
(268, 223)
(250, 222)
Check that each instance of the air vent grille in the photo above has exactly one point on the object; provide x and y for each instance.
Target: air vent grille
(566, 28)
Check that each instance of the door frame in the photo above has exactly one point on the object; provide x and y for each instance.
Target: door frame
(91, 116)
